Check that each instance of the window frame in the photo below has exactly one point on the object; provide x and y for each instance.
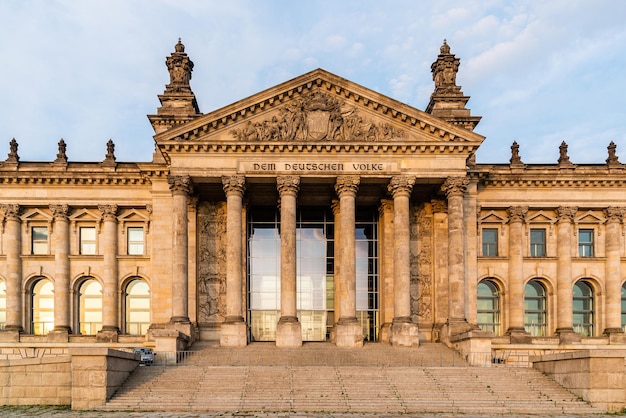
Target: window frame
(534, 246)
(489, 245)
(495, 325)
(83, 242)
(34, 244)
(130, 244)
(586, 245)
(586, 328)
(540, 329)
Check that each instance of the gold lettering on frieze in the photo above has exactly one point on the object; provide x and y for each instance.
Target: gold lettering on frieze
(317, 167)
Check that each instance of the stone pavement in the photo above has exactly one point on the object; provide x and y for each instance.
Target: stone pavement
(51, 411)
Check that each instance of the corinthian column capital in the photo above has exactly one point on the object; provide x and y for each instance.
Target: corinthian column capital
(566, 213)
(454, 186)
(517, 213)
(60, 212)
(614, 214)
(347, 185)
(180, 184)
(288, 185)
(234, 184)
(11, 211)
(400, 185)
(109, 212)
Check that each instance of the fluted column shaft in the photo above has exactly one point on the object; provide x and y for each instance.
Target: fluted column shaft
(13, 233)
(234, 187)
(109, 288)
(614, 216)
(454, 188)
(564, 292)
(517, 214)
(346, 188)
(288, 190)
(400, 188)
(61, 268)
(180, 186)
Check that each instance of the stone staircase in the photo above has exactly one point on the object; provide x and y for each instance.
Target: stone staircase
(322, 378)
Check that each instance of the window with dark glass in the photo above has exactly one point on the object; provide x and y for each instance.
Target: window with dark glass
(488, 307)
(87, 240)
(39, 235)
(583, 309)
(537, 242)
(585, 242)
(490, 242)
(135, 241)
(535, 309)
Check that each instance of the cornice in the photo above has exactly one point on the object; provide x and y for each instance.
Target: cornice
(71, 180)
(328, 147)
(322, 80)
(554, 182)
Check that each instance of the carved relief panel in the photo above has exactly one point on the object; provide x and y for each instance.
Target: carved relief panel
(211, 263)
(421, 263)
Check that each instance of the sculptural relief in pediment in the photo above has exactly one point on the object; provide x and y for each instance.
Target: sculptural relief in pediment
(318, 117)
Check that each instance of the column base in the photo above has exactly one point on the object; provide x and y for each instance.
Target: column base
(107, 335)
(10, 335)
(289, 332)
(616, 335)
(385, 333)
(519, 336)
(233, 334)
(567, 336)
(348, 333)
(404, 333)
(59, 335)
(453, 328)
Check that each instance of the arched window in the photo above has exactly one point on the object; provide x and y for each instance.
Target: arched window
(90, 307)
(137, 307)
(488, 306)
(624, 306)
(42, 302)
(535, 308)
(3, 304)
(583, 309)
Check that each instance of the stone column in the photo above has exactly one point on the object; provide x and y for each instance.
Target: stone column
(110, 327)
(289, 329)
(181, 187)
(349, 332)
(62, 303)
(615, 217)
(564, 292)
(516, 331)
(403, 331)
(337, 261)
(13, 243)
(470, 212)
(386, 260)
(454, 188)
(233, 332)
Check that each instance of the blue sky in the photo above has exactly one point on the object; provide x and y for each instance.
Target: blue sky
(538, 72)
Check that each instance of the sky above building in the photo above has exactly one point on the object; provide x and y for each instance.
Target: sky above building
(538, 72)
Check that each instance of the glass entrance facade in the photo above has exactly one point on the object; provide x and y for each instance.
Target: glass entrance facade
(315, 273)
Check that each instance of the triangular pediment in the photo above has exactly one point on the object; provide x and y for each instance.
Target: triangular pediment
(541, 217)
(319, 108)
(589, 217)
(493, 217)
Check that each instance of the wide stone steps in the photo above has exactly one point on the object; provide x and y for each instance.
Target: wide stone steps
(200, 385)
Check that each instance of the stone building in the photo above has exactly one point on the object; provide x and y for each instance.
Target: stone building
(316, 210)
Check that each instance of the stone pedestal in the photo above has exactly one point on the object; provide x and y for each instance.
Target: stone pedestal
(404, 334)
(567, 335)
(107, 335)
(519, 336)
(349, 335)
(10, 336)
(168, 342)
(59, 335)
(288, 333)
(233, 334)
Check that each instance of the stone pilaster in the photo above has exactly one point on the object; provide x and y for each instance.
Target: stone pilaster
(564, 293)
(516, 331)
(233, 331)
(614, 219)
(470, 211)
(181, 187)
(289, 329)
(62, 306)
(403, 331)
(110, 326)
(348, 333)
(13, 243)
(454, 188)
(386, 260)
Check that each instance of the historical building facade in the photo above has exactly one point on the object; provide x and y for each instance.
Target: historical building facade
(316, 210)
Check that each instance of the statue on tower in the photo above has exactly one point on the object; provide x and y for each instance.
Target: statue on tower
(180, 67)
(444, 70)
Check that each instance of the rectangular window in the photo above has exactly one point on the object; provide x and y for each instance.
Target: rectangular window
(490, 242)
(135, 241)
(537, 242)
(585, 242)
(87, 240)
(39, 240)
